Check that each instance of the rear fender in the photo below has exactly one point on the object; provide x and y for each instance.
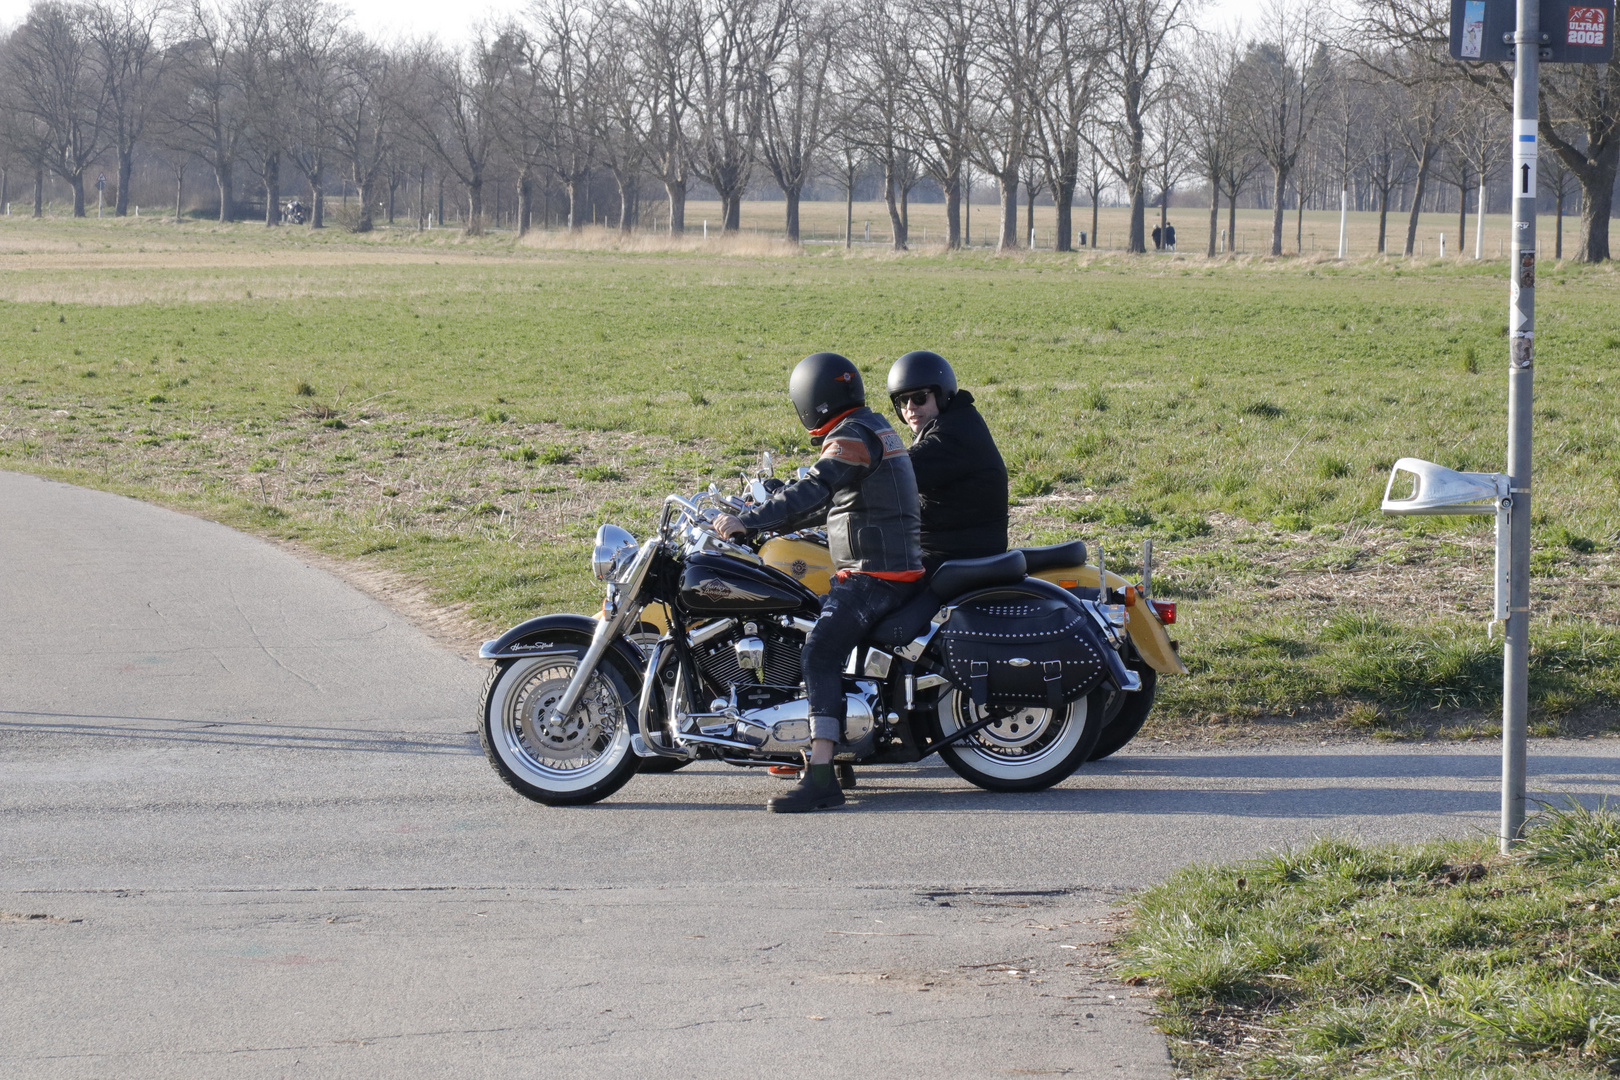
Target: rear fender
(548, 633)
(1147, 633)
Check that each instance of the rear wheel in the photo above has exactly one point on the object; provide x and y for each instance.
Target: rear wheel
(581, 759)
(1028, 751)
(1131, 715)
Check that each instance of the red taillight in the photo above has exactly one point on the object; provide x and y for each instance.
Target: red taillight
(1164, 610)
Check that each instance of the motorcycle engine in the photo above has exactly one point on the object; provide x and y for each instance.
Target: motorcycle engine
(760, 659)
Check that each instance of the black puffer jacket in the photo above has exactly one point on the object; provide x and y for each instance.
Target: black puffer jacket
(962, 483)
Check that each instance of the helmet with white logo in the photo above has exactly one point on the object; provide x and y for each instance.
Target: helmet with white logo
(823, 385)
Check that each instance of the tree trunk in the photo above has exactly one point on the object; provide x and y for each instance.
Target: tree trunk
(1277, 192)
(1558, 242)
(677, 206)
(1596, 202)
(953, 212)
(1417, 202)
(1214, 215)
(1063, 197)
(317, 206)
(475, 203)
(1299, 220)
(368, 199)
(1462, 218)
(421, 198)
(792, 214)
(76, 182)
(39, 193)
(1029, 216)
(1164, 221)
(576, 203)
(732, 215)
(272, 190)
(1007, 183)
(1383, 219)
(849, 210)
(1095, 195)
(222, 180)
(897, 224)
(179, 183)
(1231, 221)
(126, 164)
(525, 202)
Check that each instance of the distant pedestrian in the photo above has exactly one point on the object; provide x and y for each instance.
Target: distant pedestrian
(1170, 237)
(1158, 239)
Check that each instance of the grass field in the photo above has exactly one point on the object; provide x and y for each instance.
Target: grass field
(1440, 960)
(464, 412)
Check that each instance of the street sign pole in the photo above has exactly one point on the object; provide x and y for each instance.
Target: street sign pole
(1521, 373)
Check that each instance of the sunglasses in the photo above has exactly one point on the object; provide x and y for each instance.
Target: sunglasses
(916, 399)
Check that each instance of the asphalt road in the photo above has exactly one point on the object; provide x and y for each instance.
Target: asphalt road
(246, 828)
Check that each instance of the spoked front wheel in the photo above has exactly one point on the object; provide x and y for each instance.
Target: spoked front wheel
(582, 758)
(1028, 751)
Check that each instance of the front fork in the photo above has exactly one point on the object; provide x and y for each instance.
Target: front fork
(606, 630)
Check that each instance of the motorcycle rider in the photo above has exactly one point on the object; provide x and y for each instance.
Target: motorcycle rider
(863, 482)
(961, 479)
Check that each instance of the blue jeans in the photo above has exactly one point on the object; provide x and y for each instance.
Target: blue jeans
(849, 610)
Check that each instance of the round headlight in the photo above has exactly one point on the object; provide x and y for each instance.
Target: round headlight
(613, 551)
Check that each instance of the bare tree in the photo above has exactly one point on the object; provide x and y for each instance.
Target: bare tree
(366, 118)
(939, 96)
(1064, 104)
(1283, 78)
(626, 113)
(453, 112)
(879, 91)
(667, 34)
(795, 101)
(1215, 133)
(568, 61)
(1136, 40)
(1167, 158)
(1554, 176)
(50, 63)
(130, 57)
(737, 43)
(1004, 105)
(313, 33)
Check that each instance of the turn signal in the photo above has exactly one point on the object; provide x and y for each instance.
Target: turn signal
(1165, 611)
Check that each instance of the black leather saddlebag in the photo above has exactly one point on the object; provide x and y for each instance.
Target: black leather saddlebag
(1012, 650)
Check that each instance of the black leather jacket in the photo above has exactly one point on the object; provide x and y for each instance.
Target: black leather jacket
(864, 484)
(962, 483)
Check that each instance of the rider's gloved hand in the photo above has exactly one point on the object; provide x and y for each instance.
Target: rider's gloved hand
(726, 526)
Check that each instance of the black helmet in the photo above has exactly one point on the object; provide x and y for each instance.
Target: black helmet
(823, 385)
(923, 370)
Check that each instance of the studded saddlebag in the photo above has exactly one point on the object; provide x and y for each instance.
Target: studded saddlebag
(1011, 650)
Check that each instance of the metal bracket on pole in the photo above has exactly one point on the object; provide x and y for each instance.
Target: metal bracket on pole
(1437, 490)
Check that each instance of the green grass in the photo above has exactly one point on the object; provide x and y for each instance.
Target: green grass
(468, 410)
(1438, 959)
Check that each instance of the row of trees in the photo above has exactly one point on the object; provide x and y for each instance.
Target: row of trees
(1080, 100)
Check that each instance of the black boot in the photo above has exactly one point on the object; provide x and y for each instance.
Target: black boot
(846, 775)
(818, 790)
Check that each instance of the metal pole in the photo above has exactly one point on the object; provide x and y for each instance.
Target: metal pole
(1521, 370)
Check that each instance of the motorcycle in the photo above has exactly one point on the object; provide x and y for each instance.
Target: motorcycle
(1148, 649)
(293, 213)
(1006, 675)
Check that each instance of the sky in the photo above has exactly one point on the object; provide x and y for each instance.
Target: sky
(388, 19)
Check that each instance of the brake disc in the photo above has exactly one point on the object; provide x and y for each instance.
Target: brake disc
(566, 738)
(1018, 730)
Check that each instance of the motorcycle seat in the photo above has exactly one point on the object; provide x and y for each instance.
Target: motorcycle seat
(959, 575)
(902, 625)
(1054, 556)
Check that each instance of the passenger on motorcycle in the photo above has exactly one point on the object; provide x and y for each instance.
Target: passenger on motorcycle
(961, 479)
(863, 483)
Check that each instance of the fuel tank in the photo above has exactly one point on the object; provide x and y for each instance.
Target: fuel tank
(804, 561)
(718, 585)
